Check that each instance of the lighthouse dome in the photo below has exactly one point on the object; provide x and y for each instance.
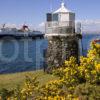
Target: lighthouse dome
(62, 9)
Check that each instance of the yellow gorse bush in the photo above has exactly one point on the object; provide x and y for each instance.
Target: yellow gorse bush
(97, 67)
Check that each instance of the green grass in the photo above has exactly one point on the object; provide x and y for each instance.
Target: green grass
(11, 81)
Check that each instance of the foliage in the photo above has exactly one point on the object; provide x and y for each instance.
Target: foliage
(87, 92)
(28, 90)
(5, 94)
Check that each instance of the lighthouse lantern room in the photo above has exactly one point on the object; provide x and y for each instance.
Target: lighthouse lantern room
(60, 22)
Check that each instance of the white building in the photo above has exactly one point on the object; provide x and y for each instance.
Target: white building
(60, 22)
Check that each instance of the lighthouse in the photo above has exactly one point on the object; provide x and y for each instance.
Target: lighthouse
(62, 39)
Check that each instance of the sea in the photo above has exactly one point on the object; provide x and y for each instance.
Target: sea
(28, 54)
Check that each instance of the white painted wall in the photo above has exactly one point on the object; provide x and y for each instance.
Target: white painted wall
(67, 17)
(64, 17)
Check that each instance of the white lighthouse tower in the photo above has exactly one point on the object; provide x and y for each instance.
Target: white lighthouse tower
(60, 32)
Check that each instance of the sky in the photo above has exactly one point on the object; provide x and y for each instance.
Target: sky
(33, 12)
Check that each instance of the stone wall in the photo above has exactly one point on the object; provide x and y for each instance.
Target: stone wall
(61, 48)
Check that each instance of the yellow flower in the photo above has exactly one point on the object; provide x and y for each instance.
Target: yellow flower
(97, 67)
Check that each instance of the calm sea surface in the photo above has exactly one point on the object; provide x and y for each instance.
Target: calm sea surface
(27, 54)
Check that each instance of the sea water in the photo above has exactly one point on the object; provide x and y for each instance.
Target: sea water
(17, 55)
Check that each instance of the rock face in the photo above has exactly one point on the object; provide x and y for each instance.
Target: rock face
(61, 48)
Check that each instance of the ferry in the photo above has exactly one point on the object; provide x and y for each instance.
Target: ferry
(24, 32)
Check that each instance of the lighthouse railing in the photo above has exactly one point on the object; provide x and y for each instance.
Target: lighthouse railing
(60, 30)
(64, 27)
(60, 24)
